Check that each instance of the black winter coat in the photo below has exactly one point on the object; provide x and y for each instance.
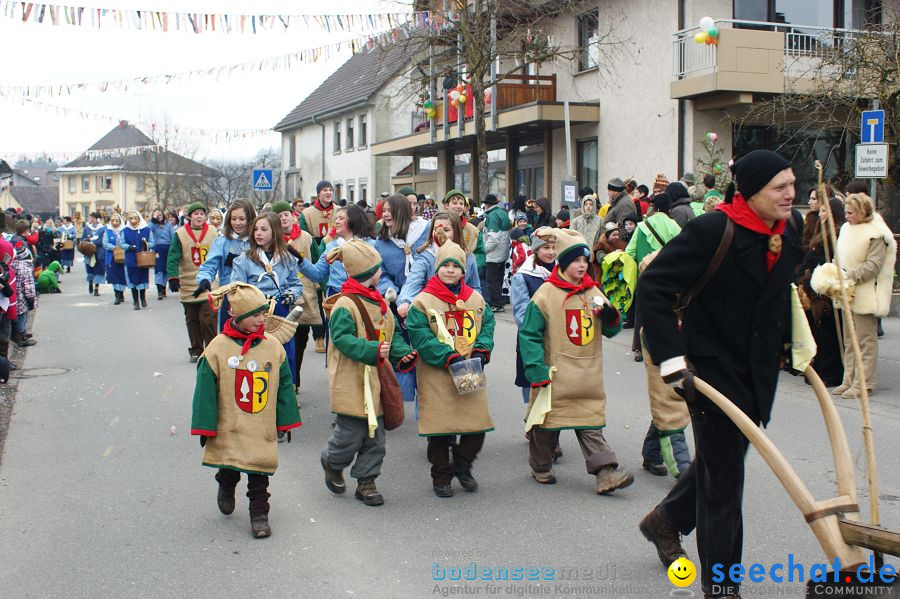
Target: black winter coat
(735, 329)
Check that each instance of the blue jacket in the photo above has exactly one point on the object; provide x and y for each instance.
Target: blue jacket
(423, 269)
(215, 259)
(96, 237)
(248, 271)
(131, 241)
(110, 238)
(523, 286)
(336, 273)
(66, 231)
(161, 234)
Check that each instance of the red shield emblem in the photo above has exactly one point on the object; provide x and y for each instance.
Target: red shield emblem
(251, 390)
(579, 326)
(323, 229)
(198, 255)
(461, 323)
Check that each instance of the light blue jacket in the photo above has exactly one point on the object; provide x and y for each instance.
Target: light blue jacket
(215, 259)
(161, 234)
(248, 271)
(336, 273)
(110, 239)
(423, 269)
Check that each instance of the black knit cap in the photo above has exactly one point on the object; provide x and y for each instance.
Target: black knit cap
(322, 185)
(756, 169)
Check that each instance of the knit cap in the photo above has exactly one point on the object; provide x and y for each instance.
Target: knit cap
(406, 190)
(450, 252)
(243, 299)
(281, 206)
(455, 192)
(360, 259)
(194, 207)
(322, 185)
(756, 169)
(570, 244)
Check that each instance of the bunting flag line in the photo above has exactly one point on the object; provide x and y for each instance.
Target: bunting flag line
(281, 62)
(222, 23)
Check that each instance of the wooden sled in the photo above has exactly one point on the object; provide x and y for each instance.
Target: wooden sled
(834, 521)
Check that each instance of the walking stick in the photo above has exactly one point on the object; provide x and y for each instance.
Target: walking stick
(823, 229)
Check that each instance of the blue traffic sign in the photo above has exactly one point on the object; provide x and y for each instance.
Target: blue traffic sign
(262, 179)
(872, 127)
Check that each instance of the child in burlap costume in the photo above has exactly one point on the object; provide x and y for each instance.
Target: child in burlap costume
(237, 375)
(560, 348)
(448, 323)
(358, 435)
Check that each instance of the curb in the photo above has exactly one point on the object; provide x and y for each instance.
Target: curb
(8, 393)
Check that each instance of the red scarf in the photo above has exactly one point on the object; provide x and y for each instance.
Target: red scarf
(294, 234)
(438, 289)
(557, 281)
(463, 221)
(232, 331)
(741, 213)
(203, 231)
(327, 211)
(353, 286)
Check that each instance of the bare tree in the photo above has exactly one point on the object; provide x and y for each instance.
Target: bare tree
(174, 179)
(236, 181)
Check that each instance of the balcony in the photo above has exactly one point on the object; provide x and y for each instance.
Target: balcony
(751, 57)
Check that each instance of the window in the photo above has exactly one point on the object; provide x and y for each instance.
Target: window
(71, 184)
(73, 208)
(338, 188)
(363, 190)
(530, 170)
(293, 150)
(350, 195)
(462, 172)
(587, 164)
(141, 185)
(350, 133)
(337, 137)
(85, 184)
(588, 40)
(104, 183)
(85, 211)
(497, 172)
(363, 139)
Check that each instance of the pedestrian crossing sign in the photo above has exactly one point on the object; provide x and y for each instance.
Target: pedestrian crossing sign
(262, 179)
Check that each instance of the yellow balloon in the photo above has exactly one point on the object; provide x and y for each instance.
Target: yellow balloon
(462, 98)
(700, 37)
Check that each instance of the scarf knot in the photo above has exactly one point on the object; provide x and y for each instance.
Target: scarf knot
(232, 331)
(560, 283)
(353, 286)
(740, 212)
(438, 289)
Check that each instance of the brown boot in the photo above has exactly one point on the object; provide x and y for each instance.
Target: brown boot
(225, 499)
(320, 345)
(334, 479)
(367, 492)
(259, 526)
(666, 539)
(545, 478)
(611, 478)
(4, 353)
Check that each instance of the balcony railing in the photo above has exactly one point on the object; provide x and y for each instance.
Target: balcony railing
(800, 42)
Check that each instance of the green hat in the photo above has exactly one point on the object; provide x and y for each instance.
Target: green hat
(450, 252)
(194, 207)
(360, 259)
(406, 190)
(243, 299)
(281, 206)
(453, 193)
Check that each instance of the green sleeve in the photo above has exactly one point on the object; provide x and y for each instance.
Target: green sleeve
(480, 254)
(531, 345)
(315, 251)
(173, 262)
(631, 248)
(342, 328)
(485, 339)
(399, 348)
(301, 222)
(610, 331)
(287, 414)
(421, 337)
(204, 418)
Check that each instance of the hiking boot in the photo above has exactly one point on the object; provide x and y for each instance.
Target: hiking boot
(443, 490)
(259, 526)
(610, 478)
(545, 478)
(334, 479)
(367, 492)
(840, 389)
(225, 500)
(666, 539)
(638, 355)
(654, 468)
(465, 478)
(320, 345)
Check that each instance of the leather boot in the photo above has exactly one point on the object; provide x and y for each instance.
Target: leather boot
(666, 539)
(120, 297)
(134, 298)
(96, 290)
(143, 294)
(225, 499)
(334, 479)
(611, 478)
(367, 492)
(320, 345)
(90, 287)
(160, 292)
(4, 353)
(259, 507)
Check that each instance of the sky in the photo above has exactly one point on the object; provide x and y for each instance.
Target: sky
(44, 54)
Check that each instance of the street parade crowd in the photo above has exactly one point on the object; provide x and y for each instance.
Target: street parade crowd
(402, 297)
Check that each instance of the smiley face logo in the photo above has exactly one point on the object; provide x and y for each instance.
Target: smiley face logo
(682, 572)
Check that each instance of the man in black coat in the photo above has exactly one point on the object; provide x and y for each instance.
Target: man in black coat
(733, 336)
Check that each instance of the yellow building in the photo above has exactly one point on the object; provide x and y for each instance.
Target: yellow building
(126, 169)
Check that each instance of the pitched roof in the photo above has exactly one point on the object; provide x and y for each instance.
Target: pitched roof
(37, 200)
(352, 84)
(126, 135)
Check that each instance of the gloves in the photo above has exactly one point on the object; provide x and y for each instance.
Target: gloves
(229, 259)
(484, 356)
(174, 285)
(29, 303)
(455, 360)
(679, 373)
(293, 252)
(288, 298)
(6, 289)
(608, 315)
(203, 439)
(202, 285)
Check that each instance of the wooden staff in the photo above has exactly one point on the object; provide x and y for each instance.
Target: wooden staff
(823, 229)
(868, 440)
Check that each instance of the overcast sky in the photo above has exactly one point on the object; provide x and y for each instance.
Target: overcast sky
(35, 54)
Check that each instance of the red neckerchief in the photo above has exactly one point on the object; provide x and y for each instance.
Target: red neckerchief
(294, 234)
(232, 331)
(327, 211)
(557, 281)
(190, 232)
(463, 221)
(739, 211)
(438, 289)
(353, 286)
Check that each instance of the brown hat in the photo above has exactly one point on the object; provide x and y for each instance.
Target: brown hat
(359, 258)
(567, 240)
(450, 252)
(660, 184)
(243, 299)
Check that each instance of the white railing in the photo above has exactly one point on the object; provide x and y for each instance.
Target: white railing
(800, 42)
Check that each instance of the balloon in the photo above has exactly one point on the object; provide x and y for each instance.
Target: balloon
(714, 41)
(460, 88)
(700, 37)
(706, 23)
(454, 95)
(708, 41)
(454, 103)
(487, 93)
(713, 32)
(717, 168)
(487, 98)
(428, 104)
(713, 137)
(462, 98)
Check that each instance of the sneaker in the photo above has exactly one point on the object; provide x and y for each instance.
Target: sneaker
(334, 479)
(840, 389)
(367, 492)
(282, 436)
(498, 309)
(666, 539)
(225, 500)
(193, 358)
(854, 393)
(609, 479)
(320, 345)
(545, 478)
(465, 478)
(443, 490)
(259, 526)
(638, 356)
(654, 468)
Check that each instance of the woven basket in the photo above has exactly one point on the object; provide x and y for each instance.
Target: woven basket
(87, 248)
(146, 259)
(68, 244)
(118, 255)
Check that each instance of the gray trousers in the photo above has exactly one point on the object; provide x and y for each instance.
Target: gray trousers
(597, 452)
(350, 439)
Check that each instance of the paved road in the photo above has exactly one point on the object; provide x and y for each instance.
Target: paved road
(99, 499)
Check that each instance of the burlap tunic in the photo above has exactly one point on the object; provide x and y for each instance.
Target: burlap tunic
(308, 299)
(193, 254)
(442, 411)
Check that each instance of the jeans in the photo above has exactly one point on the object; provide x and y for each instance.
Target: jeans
(22, 322)
(493, 286)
